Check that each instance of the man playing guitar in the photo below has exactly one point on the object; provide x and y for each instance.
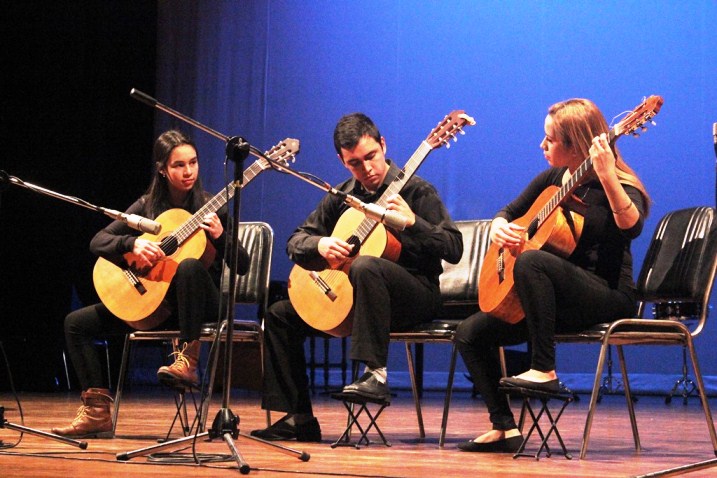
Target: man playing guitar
(387, 295)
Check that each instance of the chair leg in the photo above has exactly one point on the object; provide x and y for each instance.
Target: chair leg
(628, 397)
(67, 370)
(121, 380)
(414, 388)
(107, 356)
(261, 357)
(449, 393)
(702, 394)
(594, 398)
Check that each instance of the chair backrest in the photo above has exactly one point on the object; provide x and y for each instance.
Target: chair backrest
(258, 240)
(459, 282)
(681, 260)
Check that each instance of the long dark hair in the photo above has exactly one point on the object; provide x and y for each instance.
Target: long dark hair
(157, 195)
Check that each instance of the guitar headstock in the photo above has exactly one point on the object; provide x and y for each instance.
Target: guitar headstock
(447, 129)
(643, 113)
(283, 153)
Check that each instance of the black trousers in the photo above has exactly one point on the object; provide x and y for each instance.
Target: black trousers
(556, 296)
(386, 298)
(192, 296)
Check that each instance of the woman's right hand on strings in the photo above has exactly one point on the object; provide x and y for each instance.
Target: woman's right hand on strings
(146, 253)
(506, 234)
(334, 250)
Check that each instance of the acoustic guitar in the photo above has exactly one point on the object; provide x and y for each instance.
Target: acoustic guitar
(548, 227)
(324, 299)
(136, 295)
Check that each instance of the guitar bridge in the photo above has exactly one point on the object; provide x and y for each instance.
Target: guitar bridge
(323, 285)
(501, 266)
(135, 282)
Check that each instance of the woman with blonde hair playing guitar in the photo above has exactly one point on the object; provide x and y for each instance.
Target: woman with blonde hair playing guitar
(535, 281)
(191, 299)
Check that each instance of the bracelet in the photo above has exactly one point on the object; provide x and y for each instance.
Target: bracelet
(624, 209)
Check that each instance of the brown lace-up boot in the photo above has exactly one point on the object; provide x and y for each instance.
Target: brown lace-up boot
(93, 418)
(183, 372)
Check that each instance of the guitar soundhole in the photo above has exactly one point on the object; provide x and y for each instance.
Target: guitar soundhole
(169, 245)
(354, 241)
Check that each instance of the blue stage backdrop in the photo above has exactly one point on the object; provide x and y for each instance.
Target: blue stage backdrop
(269, 70)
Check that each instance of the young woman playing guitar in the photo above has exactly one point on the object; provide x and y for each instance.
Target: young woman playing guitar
(192, 298)
(590, 284)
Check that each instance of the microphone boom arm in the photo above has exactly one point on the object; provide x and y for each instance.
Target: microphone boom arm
(376, 212)
(136, 222)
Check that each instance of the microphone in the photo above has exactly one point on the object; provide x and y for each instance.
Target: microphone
(378, 213)
(143, 97)
(134, 221)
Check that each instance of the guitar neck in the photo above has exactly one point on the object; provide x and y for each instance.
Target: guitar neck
(570, 185)
(215, 203)
(416, 159)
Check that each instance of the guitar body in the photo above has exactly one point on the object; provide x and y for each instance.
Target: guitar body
(324, 299)
(141, 309)
(136, 296)
(558, 234)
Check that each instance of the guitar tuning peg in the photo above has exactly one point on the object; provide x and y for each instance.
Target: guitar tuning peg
(653, 123)
(644, 128)
(455, 140)
(448, 145)
(460, 131)
(636, 134)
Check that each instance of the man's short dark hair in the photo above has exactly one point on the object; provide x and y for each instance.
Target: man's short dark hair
(351, 128)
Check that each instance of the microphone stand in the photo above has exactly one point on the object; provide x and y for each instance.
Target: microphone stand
(8, 179)
(225, 424)
(137, 222)
(4, 179)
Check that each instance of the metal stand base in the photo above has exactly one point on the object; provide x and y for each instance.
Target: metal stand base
(5, 424)
(224, 426)
(611, 385)
(685, 383)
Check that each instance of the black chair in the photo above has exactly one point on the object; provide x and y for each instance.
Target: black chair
(459, 290)
(679, 266)
(252, 289)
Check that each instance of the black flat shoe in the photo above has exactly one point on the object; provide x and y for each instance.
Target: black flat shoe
(368, 386)
(506, 445)
(551, 386)
(281, 431)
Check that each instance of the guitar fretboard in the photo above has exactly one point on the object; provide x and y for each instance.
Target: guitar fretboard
(214, 204)
(367, 225)
(567, 188)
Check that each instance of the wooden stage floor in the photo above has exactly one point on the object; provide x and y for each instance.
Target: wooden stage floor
(672, 436)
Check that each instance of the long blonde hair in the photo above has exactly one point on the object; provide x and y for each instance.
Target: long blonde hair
(577, 121)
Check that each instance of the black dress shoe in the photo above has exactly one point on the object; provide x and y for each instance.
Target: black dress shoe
(368, 386)
(281, 430)
(551, 386)
(506, 445)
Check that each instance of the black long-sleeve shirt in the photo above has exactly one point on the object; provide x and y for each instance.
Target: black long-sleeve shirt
(433, 237)
(118, 238)
(603, 248)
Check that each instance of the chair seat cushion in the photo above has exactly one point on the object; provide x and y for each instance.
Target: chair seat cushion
(435, 326)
